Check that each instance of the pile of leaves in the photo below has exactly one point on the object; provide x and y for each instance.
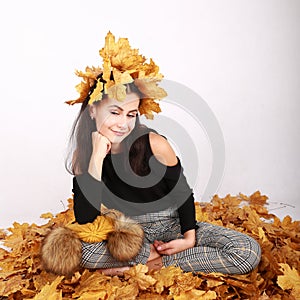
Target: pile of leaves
(277, 276)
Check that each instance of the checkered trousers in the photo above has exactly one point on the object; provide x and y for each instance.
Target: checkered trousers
(217, 248)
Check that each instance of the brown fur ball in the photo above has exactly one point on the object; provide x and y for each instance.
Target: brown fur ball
(61, 248)
(126, 240)
(61, 252)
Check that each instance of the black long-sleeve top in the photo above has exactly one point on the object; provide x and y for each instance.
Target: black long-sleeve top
(164, 187)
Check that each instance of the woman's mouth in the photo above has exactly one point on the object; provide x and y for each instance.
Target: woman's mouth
(119, 133)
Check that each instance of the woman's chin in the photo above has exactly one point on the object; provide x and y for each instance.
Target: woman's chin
(116, 139)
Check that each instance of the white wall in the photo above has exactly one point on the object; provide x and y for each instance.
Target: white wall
(241, 57)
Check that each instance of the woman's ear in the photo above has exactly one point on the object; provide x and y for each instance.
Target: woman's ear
(92, 111)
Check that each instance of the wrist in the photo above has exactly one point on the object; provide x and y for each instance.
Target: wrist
(190, 237)
(95, 169)
(97, 158)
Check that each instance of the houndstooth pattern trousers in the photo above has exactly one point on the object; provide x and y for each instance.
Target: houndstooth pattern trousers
(217, 249)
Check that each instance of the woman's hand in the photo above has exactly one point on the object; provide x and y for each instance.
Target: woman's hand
(101, 146)
(177, 245)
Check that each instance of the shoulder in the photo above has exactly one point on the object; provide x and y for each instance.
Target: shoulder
(162, 149)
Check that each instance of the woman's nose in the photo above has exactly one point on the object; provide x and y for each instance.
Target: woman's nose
(122, 122)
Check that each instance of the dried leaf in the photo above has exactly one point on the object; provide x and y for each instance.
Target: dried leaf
(21, 275)
(137, 274)
(127, 292)
(196, 294)
(166, 277)
(47, 216)
(49, 291)
(12, 285)
(290, 280)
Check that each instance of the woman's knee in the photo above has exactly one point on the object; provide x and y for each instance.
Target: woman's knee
(248, 257)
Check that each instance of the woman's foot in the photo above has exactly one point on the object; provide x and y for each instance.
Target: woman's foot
(113, 271)
(155, 264)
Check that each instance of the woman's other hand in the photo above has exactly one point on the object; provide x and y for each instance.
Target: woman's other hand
(177, 245)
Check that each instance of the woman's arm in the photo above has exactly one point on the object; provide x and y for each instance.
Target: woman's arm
(164, 153)
(87, 187)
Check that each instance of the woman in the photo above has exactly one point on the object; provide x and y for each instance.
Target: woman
(127, 166)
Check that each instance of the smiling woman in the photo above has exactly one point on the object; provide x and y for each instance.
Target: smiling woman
(116, 120)
(118, 162)
(113, 125)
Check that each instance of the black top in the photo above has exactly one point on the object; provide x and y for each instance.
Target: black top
(122, 189)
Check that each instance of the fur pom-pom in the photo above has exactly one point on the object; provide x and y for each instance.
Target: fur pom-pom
(61, 252)
(126, 240)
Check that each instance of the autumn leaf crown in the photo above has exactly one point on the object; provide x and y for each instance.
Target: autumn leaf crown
(121, 65)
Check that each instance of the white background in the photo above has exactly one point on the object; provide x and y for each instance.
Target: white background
(241, 57)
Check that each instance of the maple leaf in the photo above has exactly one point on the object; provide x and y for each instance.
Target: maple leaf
(127, 292)
(201, 215)
(117, 92)
(148, 106)
(42, 279)
(13, 285)
(149, 87)
(290, 280)
(262, 235)
(90, 282)
(97, 93)
(49, 291)
(166, 277)
(257, 198)
(137, 274)
(92, 295)
(196, 294)
(2, 234)
(22, 278)
(47, 216)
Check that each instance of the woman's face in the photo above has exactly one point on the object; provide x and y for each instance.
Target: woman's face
(116, 119)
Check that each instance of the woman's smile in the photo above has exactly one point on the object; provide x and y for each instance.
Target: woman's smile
(118, 133)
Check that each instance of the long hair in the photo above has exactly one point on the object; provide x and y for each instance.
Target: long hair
(80, 141)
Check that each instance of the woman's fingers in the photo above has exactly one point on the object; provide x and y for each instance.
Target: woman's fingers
(101, 144)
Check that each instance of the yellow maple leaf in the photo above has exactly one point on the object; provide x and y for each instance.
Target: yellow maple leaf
(83, 88)
(149, 87)
(127, 292)
(262, 235)
(137, 274)
(185, 282)
(92, 295)
(201, 215)
(49, 291)
(97, 93)
(257, 198)
(39, 281)
(196, 295)
(90, 281)
(46, 215)
(290, 280)
(12, 285)
(148, 106)
(122, 77)
(117, 92)
(166, 277)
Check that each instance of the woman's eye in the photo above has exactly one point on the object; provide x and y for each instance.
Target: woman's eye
(114, 112)
(132, 116)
